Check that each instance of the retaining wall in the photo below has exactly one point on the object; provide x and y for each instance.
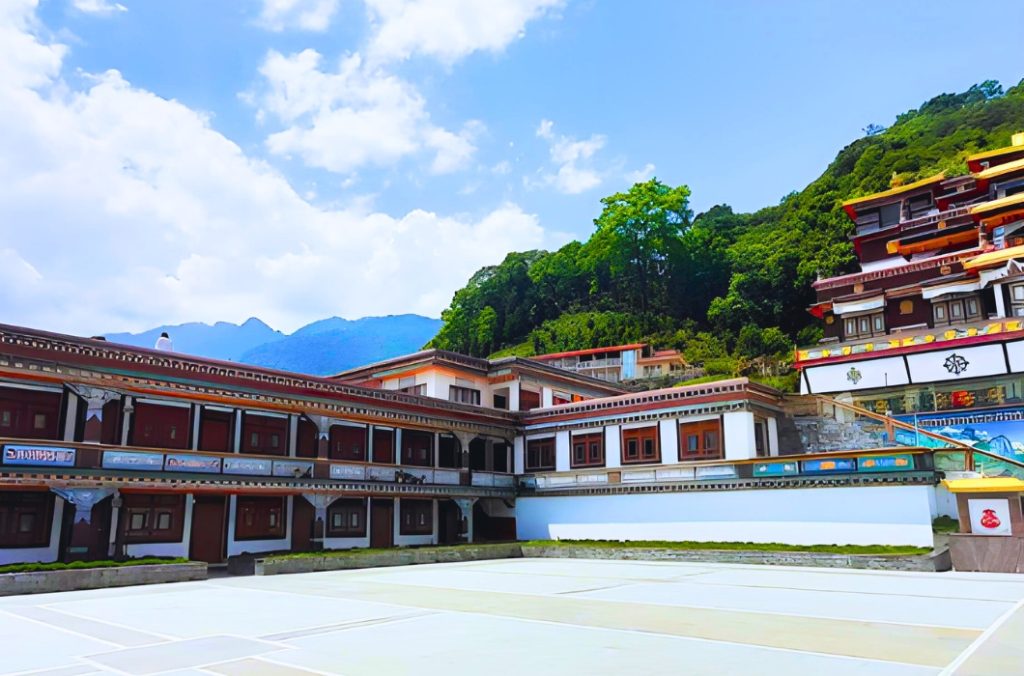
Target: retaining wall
(48, 581)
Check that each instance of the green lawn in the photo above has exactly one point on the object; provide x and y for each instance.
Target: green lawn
(78, 565)
(886, 550)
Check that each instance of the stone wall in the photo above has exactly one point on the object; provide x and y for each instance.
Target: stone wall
(48, 581)
(353, 559)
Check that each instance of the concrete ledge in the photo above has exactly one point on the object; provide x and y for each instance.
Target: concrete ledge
(936, 561)
(353, 559)
(48, 581)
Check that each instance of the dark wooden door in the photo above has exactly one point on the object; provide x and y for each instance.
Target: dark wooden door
(86, 541)
(448, 521)
(208, 528)
(303, 516)
(382, 523)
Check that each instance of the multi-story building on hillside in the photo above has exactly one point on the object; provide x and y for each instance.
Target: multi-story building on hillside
(110, 450)
(932, 326)
(613, 364)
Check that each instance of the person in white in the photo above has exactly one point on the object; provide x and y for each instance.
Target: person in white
(164, 343)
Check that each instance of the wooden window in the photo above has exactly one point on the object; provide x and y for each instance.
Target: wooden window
(501, 454)
(346, 518)
(528, 400)
(161, 426)
(417, 448)
(152, 518)
(264, 434)
(955, 310)
(29, 414)
(640, 445)
(216, 431)
(761, 449)
(863, 326)
(260, 518)
(1016, 300)
(26, 518)
(700, 440)
(348, 443)
(587, 450)
(383, 446)
(464, 395)
(417, 517)
(501, 401)
(558, 398)
(420, 389)
(307, 441)
(540, 455)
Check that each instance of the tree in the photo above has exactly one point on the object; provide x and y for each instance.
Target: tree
(638, 235)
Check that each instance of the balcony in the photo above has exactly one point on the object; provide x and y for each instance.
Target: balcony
(132, 465)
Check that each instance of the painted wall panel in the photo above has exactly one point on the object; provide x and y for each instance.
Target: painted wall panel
(860, 375)
(957, 364)
(738, 435)
(892, 515)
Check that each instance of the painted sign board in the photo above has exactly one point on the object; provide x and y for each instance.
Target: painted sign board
(291, 468)
(178, 462)
(996, 431)
(828, 466)
(250, 466)
(989, 516)
(716, 472)
(133, 460)
(885, 463)
(39, 456)
(348, 472)
(776, 469)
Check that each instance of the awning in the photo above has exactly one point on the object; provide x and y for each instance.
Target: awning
(987, 260)
(1001, 203)
(1001, 169)
(861, 305)
(962, 286)
(984, 485)
(850, 206)
(931, 241)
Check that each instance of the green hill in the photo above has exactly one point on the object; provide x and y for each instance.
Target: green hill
(728, 288)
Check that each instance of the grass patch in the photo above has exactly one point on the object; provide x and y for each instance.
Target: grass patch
(366, 551)
(945, 524)
(80, 565)
(883, 550)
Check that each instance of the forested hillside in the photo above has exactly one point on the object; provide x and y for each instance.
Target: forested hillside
(729, 289)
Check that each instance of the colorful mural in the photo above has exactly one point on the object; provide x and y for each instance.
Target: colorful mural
(996, 431)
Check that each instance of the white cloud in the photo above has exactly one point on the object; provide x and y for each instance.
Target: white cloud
(310, 15)
(641, 175)
(574, 172)
(99, 7)
(353, 116)
(123, 210)
(449, 30)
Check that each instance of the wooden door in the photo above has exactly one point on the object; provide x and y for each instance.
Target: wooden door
(448, 520)
(209, 521)
(86, 541)
(303, 517)
(382, 523)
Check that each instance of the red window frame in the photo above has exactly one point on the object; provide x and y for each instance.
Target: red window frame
(701, 440)
(641, 445)
(264, 434)
(26, 518)
(260, 518)
(346, 518)
(586, 450)
(347, 443)
(152, 518)
(417, 448)
(416, 517)
(540, 455)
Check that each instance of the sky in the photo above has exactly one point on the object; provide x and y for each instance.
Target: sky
(163, 162)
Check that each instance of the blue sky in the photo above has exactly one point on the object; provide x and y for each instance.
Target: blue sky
(295, 159)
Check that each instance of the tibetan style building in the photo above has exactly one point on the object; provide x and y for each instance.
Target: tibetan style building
(932, 327)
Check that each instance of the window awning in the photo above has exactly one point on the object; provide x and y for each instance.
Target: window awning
(961, 286)
(931, 241)
(859, 305)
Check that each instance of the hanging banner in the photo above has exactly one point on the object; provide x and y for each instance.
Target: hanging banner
(293, 469)
(251, 466)
(776, 469)
(828, 466)
(39, 456)
(885, 463)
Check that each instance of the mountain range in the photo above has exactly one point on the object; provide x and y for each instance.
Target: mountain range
(322, 347)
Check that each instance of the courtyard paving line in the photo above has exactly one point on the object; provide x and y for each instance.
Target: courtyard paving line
(185, 654)
(93, 628)
(997, 651)
(256, 666)
(340, 626)
(71, 670)
(925, 646)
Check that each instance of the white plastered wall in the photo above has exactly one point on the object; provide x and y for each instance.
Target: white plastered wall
(884, 515)
(738, 433)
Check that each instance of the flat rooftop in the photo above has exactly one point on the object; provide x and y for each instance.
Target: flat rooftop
(529, 616)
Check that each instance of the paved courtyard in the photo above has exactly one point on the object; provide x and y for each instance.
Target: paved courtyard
(530, 616)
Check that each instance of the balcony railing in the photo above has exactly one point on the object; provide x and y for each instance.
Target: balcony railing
(54, 455)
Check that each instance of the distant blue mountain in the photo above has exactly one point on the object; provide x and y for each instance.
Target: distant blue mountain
(222, 340)
(323, 347)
